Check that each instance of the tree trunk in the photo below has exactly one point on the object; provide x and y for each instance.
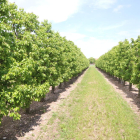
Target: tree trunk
(119, 81)
(130, 86)
(53, 89)
(71, 81)
(123, 83)
(42, 99)
(139, 90)
(139, 93)
(65, 83)
(27, 110)
(60, 86)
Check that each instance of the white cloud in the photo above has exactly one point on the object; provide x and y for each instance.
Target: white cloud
(123, 33)
(105, 28)
(113, 26)
(94, 47)
(128, 34)
(90, 46)
(72, 36)
(103, 4)
(128, 5)
(24, 3)
(118, 8)
(52, 10)
(136, 31)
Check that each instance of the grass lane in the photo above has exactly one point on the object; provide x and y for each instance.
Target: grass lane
(93, 111)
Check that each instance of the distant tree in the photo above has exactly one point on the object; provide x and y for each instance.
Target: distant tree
(92, 60)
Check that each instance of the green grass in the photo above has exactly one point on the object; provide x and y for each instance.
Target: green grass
(94, 111)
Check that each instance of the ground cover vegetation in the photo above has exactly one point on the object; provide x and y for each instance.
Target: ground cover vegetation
(33, 57)
(94, 110)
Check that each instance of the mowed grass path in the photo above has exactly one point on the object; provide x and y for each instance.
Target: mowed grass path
(93, 111)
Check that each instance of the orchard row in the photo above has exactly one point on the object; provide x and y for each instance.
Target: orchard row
(123, 62)
(32, 58)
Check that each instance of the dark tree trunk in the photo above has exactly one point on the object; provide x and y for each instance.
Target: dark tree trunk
(130, 86)
(124, 83)
(42, 99)
(139, 90)
(27, 110)
(60, 85)
(119, 81)
(53, 89)
(65, 83)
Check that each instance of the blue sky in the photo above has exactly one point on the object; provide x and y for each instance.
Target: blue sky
(95, 26)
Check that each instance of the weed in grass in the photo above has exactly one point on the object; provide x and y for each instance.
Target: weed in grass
(33, 135)
(69, 105)
(63, 104)
(54, 116)
(44, 110)
(44, 128)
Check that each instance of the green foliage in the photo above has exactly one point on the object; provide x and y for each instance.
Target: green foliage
(92, 60)
(32, 58)
(123, 61)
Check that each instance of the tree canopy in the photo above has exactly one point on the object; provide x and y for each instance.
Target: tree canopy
(92, 60)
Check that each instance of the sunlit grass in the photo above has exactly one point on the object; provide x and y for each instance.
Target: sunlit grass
(95, 111)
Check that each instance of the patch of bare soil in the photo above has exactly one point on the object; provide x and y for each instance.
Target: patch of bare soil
(131, 97)
(29, 125)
